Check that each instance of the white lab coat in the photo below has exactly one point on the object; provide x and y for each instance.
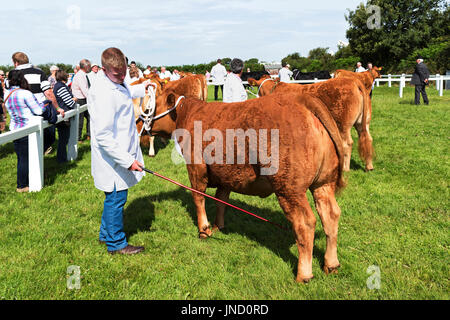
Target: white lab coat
(233, 89)
(114, 137)
(360, 69)
(218, 74)
(285, 75)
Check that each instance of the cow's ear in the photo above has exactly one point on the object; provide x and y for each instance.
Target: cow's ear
(170, 100)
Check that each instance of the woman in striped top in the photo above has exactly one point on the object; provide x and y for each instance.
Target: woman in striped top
(66, 101)
(21, 105)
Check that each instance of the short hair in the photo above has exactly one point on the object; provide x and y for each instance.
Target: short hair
(219, 60)
(113, 58)
(84, 63)
(61, 75)
(20, 58)
(17, 79)
(283, 64)
(236, 65)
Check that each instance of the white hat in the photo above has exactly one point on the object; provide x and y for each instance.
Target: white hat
(54, 68)
(94, 64)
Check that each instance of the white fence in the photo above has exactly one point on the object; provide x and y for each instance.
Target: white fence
(35, 132)
(403, 78)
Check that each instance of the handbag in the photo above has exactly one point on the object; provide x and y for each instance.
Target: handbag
(49, 112)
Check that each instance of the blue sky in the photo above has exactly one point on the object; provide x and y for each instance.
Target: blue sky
(170, 32)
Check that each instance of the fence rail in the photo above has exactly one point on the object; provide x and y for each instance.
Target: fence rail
(35, 132)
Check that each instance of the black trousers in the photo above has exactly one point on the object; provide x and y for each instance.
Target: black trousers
(83, 115)
(216, 91)
(420, 89)
(63, 140)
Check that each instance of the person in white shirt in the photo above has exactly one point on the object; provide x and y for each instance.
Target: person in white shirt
(93, 74)
(148, 70)
(359, 67)
(175, 75)
(164, 73)
(285, 74)
(218, 74)
(116, 156)
(233, 89)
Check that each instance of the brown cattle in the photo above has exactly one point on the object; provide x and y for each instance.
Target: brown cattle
(309, 151)
(366, 77)
(189, 86)
(348, 102)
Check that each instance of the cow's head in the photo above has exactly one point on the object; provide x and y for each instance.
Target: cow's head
(376, 72)
(165, 125)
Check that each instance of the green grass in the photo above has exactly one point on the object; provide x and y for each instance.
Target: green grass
(396, 217)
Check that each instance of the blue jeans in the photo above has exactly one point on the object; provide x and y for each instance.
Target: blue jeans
(63, 140)
(111, 229)
(21, 148)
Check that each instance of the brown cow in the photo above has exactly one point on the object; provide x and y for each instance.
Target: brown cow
(348, 102)
(189, 86)
(366, 77)
(309, 151)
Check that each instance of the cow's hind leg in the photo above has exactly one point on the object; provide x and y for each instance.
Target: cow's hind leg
(329, 213)
(224, 195)
(348, 145)
(299, 213)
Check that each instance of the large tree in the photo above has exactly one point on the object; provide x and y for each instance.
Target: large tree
(387, 31)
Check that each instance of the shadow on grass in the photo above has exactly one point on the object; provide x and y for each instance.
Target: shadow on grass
(53, 169)
(138, 216)
(275, 239)
(6, 150)
(354, 165)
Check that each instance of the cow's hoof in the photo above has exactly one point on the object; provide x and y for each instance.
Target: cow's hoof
(304, 279)
(368, 169)
(331, 270)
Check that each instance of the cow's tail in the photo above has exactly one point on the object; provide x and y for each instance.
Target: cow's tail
(319, 109)
(365, 147)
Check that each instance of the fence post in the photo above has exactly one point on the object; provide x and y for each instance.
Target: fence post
(378, 82)
(36, 157)
(441, 86)
(72, 152)
(389, 80)
(437, 81)
(402, 83)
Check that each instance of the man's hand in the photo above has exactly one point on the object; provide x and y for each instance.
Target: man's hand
(136, 166)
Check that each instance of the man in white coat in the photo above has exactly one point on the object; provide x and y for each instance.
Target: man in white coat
(285, 74)
(218, 74)
(116, 155)
(233, 89)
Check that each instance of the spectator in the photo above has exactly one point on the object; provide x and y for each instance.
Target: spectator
(359, 67)
(67, 102)
(133, 75)
(41, 89)
(285, 74)
(165, 73)
(80, 87)
(117, 159)
(21, 105)
(52, 78)
(207, 75)
(75, 70)
(148, 70)
(155, 71)
(92, 76)
(420, 80)
(233, 89)
(175, 76)
(218, 74)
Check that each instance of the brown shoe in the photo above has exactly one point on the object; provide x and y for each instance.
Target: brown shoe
(21, 190)
(128, 250)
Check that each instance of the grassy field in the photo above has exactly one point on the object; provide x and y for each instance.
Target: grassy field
(395, 218)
